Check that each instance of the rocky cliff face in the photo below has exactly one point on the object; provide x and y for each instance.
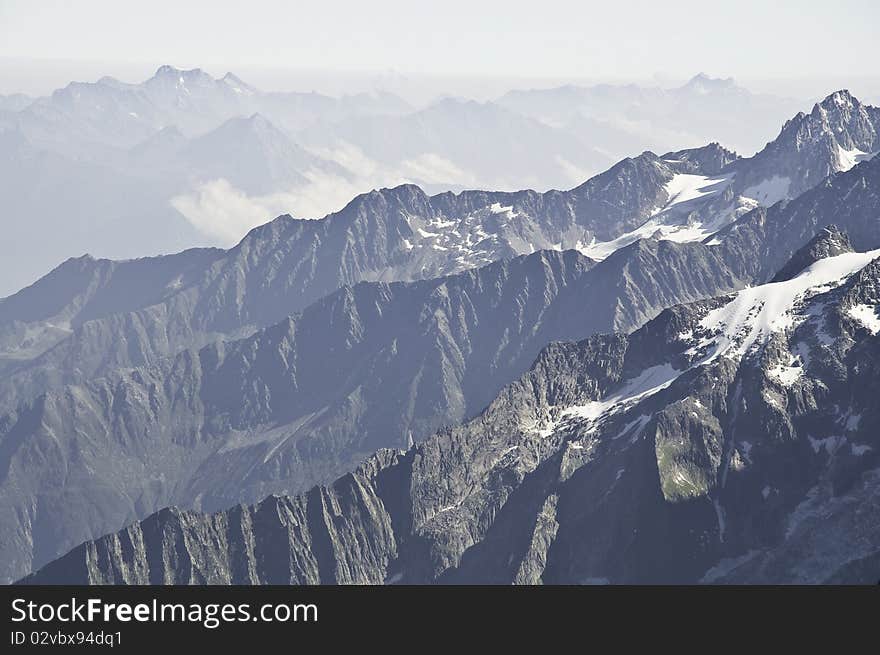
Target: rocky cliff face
(829, 242)
(717, 443)
(766, 238)
(837, 134)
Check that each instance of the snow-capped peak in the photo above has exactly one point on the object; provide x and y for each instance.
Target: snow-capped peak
(842, 98)
(732, 330)
(170, 76)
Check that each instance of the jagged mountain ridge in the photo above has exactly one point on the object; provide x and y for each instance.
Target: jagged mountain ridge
(232, 293)
(836, 135)
(459, 144)
(714, 444)
(728, 265)
(308, 398)
(121, 115)
(630, 286)
(283, 266)
(110, 168)
(414, 236)
(104, 127)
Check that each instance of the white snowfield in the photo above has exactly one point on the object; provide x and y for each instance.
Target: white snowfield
(849, 158)
(770, 191)
(685, 192)
(744, 323)
(647, 383)
(755, 313)
(630, 393)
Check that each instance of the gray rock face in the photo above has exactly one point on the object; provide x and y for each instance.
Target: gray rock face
(307, 399)
(765, 239)
(717, 443)
(114, 367)
(294, 385)
(713, 159)
(836, 135)
(829, 242)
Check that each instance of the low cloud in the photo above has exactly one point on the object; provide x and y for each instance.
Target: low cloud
(225, 213)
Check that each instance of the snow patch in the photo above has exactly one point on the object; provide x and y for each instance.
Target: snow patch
(846, 159)
(647, 383)
(866, 315)
(745, 449)
(634, 427)
(769, 192)
(785, 375)
(440, 223)
(852, 422)
(684, 193)
(496, 208)
(685, 187)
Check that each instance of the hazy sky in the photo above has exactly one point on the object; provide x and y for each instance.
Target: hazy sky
(552, 38)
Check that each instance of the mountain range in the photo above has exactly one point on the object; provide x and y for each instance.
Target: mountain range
(183, 159)
(214, 377)
(701, 110)
(403, 234)
(729, 440)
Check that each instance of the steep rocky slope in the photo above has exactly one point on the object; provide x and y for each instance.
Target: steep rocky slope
(318, 384)
(274, 404)
(717, 443)
(371, 366)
